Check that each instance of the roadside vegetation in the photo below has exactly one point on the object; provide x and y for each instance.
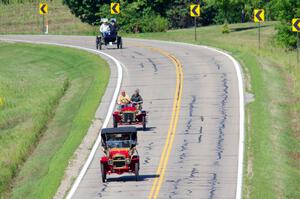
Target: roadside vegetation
(65, 16)
(272, 74)
(49, 98)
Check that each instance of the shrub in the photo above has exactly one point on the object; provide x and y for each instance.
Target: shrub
(154, 24)
(285, 37)
(225, 29)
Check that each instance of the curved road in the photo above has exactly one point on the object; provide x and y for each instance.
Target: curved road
(203, 148)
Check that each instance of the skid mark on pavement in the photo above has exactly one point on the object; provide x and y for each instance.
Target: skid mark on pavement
(138, 53)
(223, 117)
(201, 130)
(175, 187)
(153, 64)
(187, 179)
(200, 134)
(105, 186)
(142, 65)
(221, 134)
(191, 109)
(148, 148)
(213, 184)
(183, 149)
(192, 105)
(214, 61)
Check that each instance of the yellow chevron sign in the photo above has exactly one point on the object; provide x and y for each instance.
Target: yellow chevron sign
(259, 15)
(195, 10)
(115, 8)
(296, 25)
(43, 8)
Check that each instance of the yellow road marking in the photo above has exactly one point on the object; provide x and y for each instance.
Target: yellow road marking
(172, 130)
(173, 124)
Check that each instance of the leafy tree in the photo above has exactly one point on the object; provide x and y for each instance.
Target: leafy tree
(159, 15)
(285, 11)
(135, 16)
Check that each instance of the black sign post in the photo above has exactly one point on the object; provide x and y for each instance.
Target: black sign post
(259, 16)
(43, 27)
(298, 61)
(258, 35)
(195, 12)
(43, 11)
(195, 29)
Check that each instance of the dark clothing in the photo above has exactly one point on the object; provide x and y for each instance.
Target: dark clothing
(136, 98)
(113, 29)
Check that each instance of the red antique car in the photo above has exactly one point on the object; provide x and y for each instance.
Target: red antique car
(130, 115)
(121, 156)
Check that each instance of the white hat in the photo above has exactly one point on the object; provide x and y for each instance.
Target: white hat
(104, 20)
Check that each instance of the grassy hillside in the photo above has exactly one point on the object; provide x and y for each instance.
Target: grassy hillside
(272, 75)
(24, 18)
(50, 97)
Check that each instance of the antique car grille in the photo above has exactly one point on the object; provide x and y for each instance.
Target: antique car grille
(119, 161)
(118, 164)
(128, 117)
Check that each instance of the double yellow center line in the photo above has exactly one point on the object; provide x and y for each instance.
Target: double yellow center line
(173, 125)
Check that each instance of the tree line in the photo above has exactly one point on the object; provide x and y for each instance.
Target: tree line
(160, 15)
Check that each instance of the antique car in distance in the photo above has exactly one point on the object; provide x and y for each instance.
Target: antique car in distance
(120, 154)
(112, 38)
(130, 115)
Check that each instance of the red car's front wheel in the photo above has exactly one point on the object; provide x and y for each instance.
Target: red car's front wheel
(136, 171)
(115, 123)
(144, 123)
(103, 172)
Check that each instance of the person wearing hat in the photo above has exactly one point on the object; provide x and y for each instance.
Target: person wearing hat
(113, 27)
(137, 98)
(104, 28)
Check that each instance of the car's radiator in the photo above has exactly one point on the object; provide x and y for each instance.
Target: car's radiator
(119, 161)
(128, 117)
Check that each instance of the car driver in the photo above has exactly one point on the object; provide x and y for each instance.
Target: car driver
(123, 99)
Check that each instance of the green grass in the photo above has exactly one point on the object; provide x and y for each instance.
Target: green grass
(50, 98)
(17, 18)
(272, 158)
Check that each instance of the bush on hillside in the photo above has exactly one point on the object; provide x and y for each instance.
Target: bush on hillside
(285, 11)
(154, 24)
(285, 37)
(225, 29)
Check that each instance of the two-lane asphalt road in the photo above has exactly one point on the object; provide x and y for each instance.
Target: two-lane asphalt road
(193, 96)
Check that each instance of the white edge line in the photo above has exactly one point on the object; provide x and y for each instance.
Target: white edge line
(238, 69)
(109, 112)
